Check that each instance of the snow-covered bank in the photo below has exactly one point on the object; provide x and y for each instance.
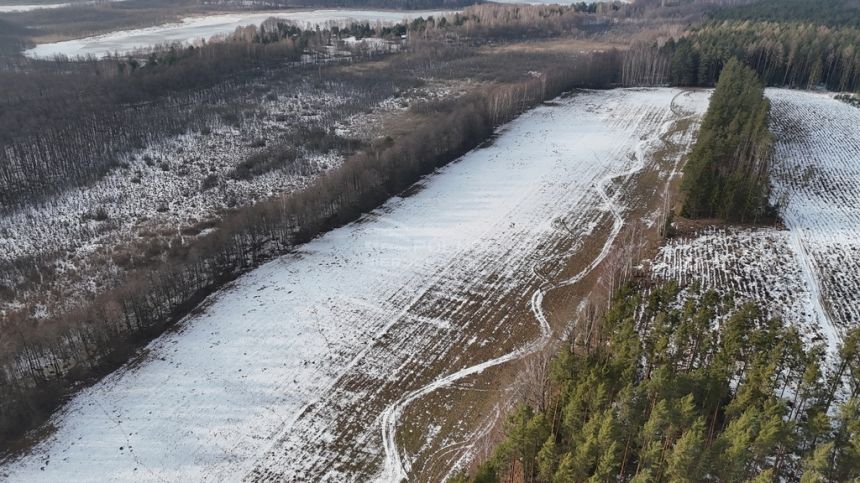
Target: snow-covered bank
(194, 29)
(256, 385)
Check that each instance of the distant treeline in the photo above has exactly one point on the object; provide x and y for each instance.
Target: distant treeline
(42, 358)
(834, 13)
(494, 22)
(799, 55)
(792, 48)
(727, 174)
(387, 4)
(704, 389)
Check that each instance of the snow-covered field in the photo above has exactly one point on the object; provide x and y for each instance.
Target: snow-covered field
(810, 272)
(753, 264)
(285, 374)
(195, 29)
(817, 178)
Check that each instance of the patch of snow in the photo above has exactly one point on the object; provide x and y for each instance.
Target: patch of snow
(808, 274)
(816, 178)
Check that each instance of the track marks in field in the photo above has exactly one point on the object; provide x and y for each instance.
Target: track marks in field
(287, 375)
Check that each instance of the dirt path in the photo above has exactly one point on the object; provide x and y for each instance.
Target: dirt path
(394, 468)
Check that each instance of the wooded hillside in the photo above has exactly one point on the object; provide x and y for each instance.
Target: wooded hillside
(827, 12)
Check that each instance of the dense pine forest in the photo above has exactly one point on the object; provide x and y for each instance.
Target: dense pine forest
(685, 385)
(727, 173)
(791, 54)
(833, 13)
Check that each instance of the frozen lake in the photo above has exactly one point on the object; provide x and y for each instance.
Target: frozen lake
(192, 29)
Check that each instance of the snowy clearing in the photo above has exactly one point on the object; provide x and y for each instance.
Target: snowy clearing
(810, 273)
(285, 374)
(192, 30)
(753, 264)
(817, 179)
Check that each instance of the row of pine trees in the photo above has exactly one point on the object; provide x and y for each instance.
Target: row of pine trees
(727, 174)
(688, 386)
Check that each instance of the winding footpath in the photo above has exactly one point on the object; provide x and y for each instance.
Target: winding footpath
(395, 470)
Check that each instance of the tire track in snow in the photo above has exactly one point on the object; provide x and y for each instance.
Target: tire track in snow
(810, 277)
(222, 427)
(394, 469)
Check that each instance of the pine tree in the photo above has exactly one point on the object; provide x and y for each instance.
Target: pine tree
(547, 459)
(684, 463)
(766, 476)
(727, 174)
(846, 457)
(685, 64)
(734, 445)
(816, 465)
(608, 449)
(646, 413)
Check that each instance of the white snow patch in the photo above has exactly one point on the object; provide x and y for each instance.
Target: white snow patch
(46, 6)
